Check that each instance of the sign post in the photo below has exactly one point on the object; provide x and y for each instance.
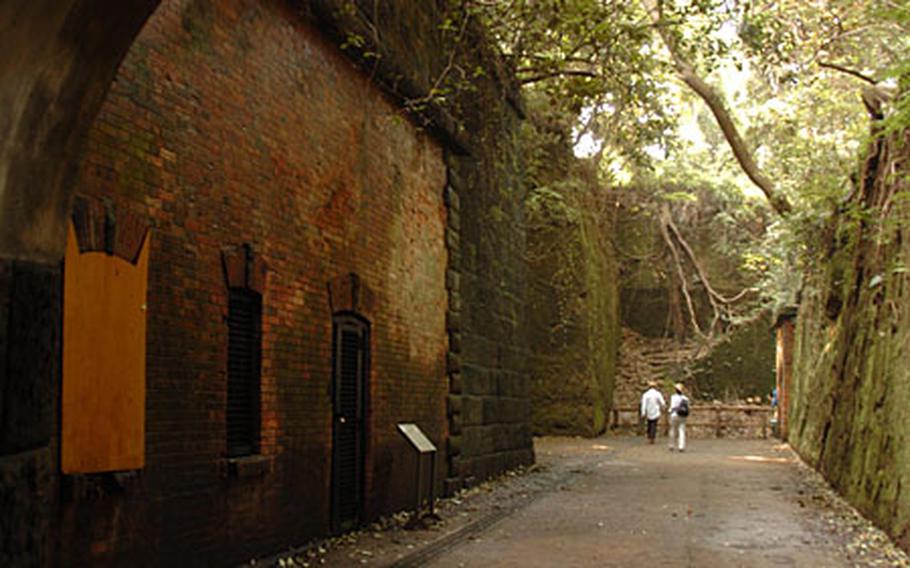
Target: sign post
(424, 447)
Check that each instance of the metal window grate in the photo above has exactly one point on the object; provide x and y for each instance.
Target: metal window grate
(243, 380)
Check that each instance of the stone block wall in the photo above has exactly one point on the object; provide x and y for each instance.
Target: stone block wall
(29, 356)
(489, 408)
(742, 365)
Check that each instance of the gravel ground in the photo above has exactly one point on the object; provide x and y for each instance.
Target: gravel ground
(861, 542)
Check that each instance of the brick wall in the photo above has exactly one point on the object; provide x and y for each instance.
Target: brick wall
(488, 406)
(235, 122)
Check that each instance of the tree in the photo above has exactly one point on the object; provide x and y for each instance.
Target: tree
(781, 79)
(601, 55)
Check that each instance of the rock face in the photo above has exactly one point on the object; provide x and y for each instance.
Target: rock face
(849, 404)
(741, 366)
(659, 342)
(573, 309)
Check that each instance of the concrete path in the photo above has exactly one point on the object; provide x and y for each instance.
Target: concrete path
(721, 503)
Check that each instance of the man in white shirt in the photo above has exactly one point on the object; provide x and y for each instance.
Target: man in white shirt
(679, 412)
(652, 403)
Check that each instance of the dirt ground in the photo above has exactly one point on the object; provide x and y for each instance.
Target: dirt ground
(615, 501)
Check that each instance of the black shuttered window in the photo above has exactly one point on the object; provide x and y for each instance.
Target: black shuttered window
(243, 373)
(350, 364)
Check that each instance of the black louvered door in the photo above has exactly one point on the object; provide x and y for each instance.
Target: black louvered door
(244, 338)
(349, 387)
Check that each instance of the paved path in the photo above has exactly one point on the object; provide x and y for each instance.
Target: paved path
(722, 503)
(620, 502)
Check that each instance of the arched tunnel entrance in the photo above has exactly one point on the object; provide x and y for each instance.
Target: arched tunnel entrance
(58, 61)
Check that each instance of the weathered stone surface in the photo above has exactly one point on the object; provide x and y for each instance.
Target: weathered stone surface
(453, 321)
(454, 404)
(29, 355)
(452, 486)
(478, 380)
(511, 410)
(851, 381)
(742, 366)
(453, 362)
(472, 411)
(26, 481)
(455, 383)
(45, 68)
(453, 445)
(574, 313)
(453, 280)
(484, 466)
(454, 425)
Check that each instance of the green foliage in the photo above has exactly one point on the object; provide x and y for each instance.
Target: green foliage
(550, 204)
(679, 196)
(587, 54)
(790, 72)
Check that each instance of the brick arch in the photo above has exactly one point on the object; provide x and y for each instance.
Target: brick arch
(57, 61)
(349, 293)
(59, 58)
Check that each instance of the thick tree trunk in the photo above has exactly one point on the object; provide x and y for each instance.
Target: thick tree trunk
(740, 150)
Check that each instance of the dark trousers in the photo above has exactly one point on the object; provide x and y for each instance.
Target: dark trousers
(652, 428)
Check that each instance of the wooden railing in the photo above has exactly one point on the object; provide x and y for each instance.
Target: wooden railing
(706, 420)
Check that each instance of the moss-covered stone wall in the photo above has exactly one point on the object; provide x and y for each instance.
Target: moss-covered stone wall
(574, 309)
(850, 401)
(742, 365)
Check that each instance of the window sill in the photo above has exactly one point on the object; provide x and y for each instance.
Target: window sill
(249, 467)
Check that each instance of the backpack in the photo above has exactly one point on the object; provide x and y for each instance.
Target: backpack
(683, 409)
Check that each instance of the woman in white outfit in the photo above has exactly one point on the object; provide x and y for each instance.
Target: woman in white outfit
(679, 411)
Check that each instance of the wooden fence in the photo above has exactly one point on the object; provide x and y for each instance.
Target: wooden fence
(705, 421)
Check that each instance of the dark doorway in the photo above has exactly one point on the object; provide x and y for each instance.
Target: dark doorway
(350, 369)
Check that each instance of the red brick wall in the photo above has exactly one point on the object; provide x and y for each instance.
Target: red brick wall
(232, 122)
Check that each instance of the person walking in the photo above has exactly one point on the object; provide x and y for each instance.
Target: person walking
(679, 412)
(652, 404)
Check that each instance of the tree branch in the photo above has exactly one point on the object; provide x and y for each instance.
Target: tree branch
(848, 71)
(558, 73)
(680, 273)
(724, 120)
(713, 296)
